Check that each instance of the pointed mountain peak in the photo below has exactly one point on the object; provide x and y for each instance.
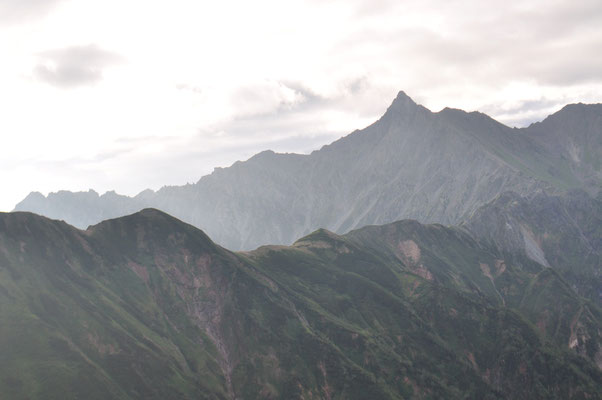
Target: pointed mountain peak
(402, 96)
(35, 196)
(403, 101)
(404, 105)
(145, 194)
(35, 201)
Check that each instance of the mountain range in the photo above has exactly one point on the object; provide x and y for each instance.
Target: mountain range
(428, 256)
(147, 306)
(411, 163)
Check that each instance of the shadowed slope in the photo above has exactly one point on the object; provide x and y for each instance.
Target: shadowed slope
(146, 306)
(564, 232)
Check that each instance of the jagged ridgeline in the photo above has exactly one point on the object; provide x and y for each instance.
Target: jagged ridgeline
(411, 163)
(148, 307)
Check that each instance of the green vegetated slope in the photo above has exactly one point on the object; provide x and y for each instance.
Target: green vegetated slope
(147, 307)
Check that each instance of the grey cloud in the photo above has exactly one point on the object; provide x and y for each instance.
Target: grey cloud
(312, 101)
(374, 7)
(357, 85)
(17, 11)
(576, 63)
(74, 66)
(189, 88)
(525, 112)
(304, 124)
(525, 106)
(524, 121)
(563, 18)
(276, 125)
(557, 44)
(267, 102)
(309, 99)
(300, 125)
(543, 60)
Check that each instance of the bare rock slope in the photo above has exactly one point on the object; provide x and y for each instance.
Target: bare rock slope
(411, 163)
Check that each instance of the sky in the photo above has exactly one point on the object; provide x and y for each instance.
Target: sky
(127, 95)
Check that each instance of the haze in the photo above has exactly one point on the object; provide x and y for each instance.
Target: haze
(129, 95)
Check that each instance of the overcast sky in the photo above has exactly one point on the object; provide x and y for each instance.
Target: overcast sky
(126, 95)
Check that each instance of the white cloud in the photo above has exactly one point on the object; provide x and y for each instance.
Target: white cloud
(168, 90)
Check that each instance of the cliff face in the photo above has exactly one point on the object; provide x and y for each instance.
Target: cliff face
(411, 163)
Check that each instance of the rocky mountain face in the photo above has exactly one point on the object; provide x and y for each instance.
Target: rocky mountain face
(560, 231)
(411, 163)
(146, 306)
(574, 134)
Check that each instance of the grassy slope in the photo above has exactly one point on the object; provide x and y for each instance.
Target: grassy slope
(148, 307)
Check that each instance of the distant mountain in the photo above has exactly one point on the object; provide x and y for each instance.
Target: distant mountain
(411, 163)
(146, 306)
(561, 231)
(574, 134)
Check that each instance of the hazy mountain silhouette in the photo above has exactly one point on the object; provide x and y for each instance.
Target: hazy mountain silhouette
(411, 163)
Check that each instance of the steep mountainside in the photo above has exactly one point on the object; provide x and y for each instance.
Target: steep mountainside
(146, 306)
(561, 231)
(411, 163)
(574, 134)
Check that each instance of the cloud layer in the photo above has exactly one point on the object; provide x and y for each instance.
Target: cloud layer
(165, 91)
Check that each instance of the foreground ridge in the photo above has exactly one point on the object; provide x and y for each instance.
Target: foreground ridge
(146, 306)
